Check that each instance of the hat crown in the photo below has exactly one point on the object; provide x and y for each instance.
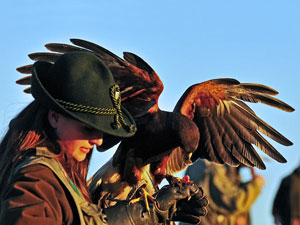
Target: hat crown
(80, 78)
(80, 85)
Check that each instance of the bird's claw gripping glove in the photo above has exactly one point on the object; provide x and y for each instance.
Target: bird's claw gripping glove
(174, 202)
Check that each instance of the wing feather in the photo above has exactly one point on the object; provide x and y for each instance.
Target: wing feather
(44, 56)
(25, 69)
(62, 48)
(229, 128)
(24, 80)
(254, 122)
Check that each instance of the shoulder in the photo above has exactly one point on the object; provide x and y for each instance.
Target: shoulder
(37, 166)
(38, 179)
(35, 191)
(37, 172)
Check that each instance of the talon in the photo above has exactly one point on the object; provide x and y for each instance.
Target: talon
(145, 197)
(134, 200)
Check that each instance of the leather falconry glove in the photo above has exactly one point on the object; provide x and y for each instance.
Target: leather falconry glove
(176, 202)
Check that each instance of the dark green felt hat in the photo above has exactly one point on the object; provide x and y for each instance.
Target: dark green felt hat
(80, 85)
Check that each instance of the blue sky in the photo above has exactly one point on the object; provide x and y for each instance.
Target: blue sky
(186, 42)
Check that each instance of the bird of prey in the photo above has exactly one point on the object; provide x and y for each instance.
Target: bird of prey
(211, 120)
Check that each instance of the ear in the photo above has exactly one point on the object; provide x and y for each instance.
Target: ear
(53, 118)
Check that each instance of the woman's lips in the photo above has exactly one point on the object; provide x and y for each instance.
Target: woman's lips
(85, 150)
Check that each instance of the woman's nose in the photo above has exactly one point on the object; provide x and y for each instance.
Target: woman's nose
(96, 141)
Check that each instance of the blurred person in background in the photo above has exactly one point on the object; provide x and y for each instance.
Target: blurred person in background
(286, 206)
(230, 199)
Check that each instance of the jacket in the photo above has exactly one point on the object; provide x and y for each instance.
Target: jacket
(39, 192)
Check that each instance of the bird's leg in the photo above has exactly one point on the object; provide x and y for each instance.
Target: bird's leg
(132, 193)
(145, 197)
(139, 188)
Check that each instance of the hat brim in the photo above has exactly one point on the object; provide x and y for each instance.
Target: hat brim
(102, 123)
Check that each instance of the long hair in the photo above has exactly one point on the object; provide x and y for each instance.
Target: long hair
(30, 129)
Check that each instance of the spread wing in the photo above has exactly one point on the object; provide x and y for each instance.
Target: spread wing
(229, 129)
(140, 85)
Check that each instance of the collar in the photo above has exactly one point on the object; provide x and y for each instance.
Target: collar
(44, 151)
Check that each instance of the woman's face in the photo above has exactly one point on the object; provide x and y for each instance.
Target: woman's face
(74, 136)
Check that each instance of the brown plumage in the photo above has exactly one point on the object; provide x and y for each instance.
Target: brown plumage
(210, 120)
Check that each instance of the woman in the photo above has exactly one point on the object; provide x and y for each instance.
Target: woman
(46, 151)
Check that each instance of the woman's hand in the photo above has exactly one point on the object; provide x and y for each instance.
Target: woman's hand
(185, 202)
(175, 202)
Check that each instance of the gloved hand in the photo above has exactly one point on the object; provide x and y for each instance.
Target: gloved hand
(184, 201)
(175, 202)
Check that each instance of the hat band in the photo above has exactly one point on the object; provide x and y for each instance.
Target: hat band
(87, 109)
(116, 99)
(119, 119)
